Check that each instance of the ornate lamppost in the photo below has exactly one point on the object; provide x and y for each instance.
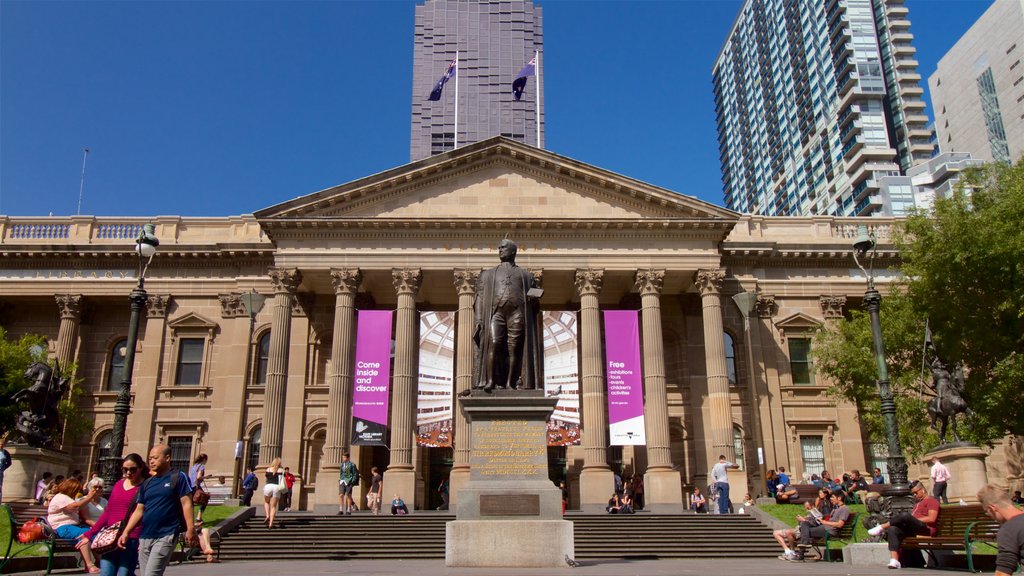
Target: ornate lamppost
(898, 491)
(145, 248)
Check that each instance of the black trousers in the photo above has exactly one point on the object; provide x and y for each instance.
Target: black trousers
(939, 492)
(903, 525)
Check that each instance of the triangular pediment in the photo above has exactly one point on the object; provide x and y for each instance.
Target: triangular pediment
(193, 321)
(799, 322)
(497, 179)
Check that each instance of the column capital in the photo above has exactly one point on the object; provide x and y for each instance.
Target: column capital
(589, 281)
(156, 305)
(465, 280)
(70, 306)
(346, 280)
(832, 306)
(765, 306)
(649, 281)
(231, 306)
(710, 281)
(406, 280)
(538, 276)
(285, 280)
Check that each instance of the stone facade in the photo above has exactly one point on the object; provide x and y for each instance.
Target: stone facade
(412, 240)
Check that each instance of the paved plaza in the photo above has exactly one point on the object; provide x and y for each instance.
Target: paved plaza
(595, 568)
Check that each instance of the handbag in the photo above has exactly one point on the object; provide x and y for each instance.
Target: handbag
(32, 531)
(200, 497)
(106, 539)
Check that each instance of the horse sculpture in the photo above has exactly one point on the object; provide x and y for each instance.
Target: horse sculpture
(37, 423)
(949, 398)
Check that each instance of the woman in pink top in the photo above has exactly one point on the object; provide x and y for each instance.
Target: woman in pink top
(64, 514)
(121, 562)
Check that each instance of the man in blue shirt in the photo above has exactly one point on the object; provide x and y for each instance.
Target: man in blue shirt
(783, 477)
(249, 485)
(165, 501)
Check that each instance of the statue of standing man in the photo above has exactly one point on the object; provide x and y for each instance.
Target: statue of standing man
(509, 344)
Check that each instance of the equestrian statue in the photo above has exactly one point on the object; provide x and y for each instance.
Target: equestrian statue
(41, 398)
(949, 398)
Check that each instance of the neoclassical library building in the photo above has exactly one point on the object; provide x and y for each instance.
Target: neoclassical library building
(219, 372)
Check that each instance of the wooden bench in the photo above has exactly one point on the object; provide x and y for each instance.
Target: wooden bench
(804, 493)
(18, 514)
(957, 528)
(845, 535)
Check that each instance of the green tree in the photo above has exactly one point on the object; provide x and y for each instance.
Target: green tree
(965, 264)
(15, 357)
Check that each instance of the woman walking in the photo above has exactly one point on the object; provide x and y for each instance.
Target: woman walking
(271, 491)
(121, 562)
(196, 475)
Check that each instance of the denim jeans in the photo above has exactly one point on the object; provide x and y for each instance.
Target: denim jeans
(723, 497)
(121, 562)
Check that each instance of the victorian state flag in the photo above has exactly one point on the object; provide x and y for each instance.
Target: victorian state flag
(435, 94)
(519, 84)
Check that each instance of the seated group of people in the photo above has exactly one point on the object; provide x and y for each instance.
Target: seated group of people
(853, 485)
(620, 504)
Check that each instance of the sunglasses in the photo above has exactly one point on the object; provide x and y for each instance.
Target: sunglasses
(130, 469)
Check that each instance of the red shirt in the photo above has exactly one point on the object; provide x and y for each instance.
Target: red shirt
(923, 508)
(289, 480)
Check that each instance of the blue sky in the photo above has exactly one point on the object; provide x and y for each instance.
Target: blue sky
(218, 108)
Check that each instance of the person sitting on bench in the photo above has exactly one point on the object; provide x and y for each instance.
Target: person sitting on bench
(785, 493)
(921, 521)
(814, 526)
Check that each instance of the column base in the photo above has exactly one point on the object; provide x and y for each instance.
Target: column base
(663, 492)
(325, 497)
(509, 543)
(457, 480)
(596, 486)
(401, 481)
(27, 467)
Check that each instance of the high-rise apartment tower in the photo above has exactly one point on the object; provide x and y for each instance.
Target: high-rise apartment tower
(816, 101)
(978, 87)
(494, 40)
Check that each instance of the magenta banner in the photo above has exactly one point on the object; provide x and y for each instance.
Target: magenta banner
(372, 378)
(624, 377)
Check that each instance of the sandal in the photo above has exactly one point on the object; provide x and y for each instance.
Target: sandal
(210, 559)
(93, 570)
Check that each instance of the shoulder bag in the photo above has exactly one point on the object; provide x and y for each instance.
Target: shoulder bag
(106, 539)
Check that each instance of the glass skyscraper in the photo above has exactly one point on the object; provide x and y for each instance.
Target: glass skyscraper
(816, 101)
(494, 40)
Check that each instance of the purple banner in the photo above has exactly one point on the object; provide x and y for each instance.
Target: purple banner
(624, 377)
(372, 378)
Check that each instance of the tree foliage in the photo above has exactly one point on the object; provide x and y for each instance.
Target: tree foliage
(962, 269)
(15, 357)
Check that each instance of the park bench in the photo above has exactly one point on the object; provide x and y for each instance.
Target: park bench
(845, 535)
(957, 528)
(804, 493)
(18, 514)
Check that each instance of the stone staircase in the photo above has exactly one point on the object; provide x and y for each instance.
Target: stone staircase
(421, 535)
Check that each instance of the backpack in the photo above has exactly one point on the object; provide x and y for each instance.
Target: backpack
(182, 526)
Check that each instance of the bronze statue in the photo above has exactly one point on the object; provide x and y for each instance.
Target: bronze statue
(37, 423)
(949, 398)
(509, 344)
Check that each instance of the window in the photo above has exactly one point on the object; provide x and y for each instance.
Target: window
(878, 457)
(813, 452)
(103, 449)
(737, 446)
(190, 362)
(800, 361)
(993, 117)
(730, 358)
(181, 452)
(254, 448)
(262, 359)
(115, 370)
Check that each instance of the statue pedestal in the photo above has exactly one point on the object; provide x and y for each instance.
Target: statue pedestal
(27, 467)
(509, 514)
(966, 463)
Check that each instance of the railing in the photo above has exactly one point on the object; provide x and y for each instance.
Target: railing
(83, 230)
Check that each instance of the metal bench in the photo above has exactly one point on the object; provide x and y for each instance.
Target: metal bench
(958, 528)
(18, 514)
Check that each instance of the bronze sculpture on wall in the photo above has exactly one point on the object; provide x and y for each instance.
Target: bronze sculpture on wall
(509, 342)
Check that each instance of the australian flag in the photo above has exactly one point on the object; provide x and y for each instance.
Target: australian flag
(519, 84)
(435, 94)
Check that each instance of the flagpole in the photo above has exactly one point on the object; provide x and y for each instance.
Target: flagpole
(456, 99)
(536, 56)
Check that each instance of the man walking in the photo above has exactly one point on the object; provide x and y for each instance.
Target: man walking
(164, 501)
(249, 485)
(1010, 541)
(720, 476)
(940, 477)
(349, 480)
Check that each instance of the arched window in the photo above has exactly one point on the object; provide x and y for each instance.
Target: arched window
(254, 448)
(737, 446)
(103, 443)
(730, 358)
(262, 359)
(115, 370)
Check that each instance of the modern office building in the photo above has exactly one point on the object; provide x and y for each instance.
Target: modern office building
(978, 87)
(494, 40)
(816, 101)
(922, 184)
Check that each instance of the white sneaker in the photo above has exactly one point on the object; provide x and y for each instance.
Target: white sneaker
(894, 564)
(876, 531)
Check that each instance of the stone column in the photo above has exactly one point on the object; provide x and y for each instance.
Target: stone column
(400, 476)
(465, 286)
(596, 480)
(70, 306)
(141, 431)
(720, 408)
(661, 481)
(285, 281)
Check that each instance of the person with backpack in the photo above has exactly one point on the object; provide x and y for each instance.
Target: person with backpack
(348, 481)
(164, 504)
(249, 484)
